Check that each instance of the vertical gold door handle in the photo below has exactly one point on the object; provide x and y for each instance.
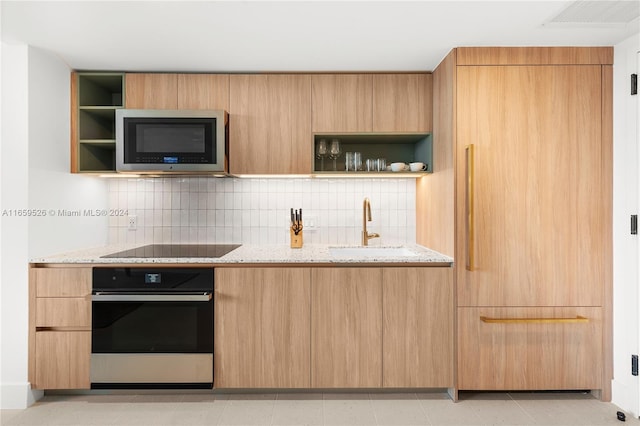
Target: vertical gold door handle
(470, 219)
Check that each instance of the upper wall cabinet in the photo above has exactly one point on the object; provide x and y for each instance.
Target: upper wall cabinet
(94, 100)
(341, 102)
(151, 91)
(360, 103)
(178, 91)
(203, 91)
(270, 124)
(402, 102)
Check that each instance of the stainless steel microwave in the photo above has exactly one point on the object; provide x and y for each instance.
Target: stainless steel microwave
(171, 141)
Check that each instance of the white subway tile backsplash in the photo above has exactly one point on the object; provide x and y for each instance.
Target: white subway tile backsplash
(256, 211)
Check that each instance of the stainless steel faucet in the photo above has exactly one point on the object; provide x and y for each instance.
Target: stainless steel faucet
(366, 215)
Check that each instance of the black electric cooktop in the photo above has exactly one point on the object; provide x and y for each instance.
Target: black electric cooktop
(177, 250)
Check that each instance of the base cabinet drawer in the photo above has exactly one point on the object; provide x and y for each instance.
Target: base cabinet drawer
(540, 348)
(62, 360)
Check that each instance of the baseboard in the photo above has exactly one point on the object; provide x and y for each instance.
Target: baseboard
(626, 397)
(18, 395)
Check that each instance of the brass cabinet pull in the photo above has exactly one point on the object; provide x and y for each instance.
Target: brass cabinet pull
(578, 318)
(470, 230)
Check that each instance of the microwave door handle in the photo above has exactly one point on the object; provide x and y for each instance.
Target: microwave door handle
(123, 297)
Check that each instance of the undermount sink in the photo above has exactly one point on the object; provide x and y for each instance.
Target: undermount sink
(370, 252)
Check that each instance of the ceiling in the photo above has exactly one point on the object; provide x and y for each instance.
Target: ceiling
(251, 36)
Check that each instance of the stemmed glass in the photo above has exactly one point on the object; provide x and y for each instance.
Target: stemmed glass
(334, 152)
(321, 151)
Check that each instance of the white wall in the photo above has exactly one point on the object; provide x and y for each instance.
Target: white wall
(51, 186)
(35, 164)
(626, 183)
(15, 253)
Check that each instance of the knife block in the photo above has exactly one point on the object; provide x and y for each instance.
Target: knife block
(296, 240)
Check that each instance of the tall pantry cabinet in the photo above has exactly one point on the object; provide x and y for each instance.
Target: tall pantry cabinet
(528, 135)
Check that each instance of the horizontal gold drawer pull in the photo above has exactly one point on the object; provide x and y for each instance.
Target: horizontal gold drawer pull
(578, 318)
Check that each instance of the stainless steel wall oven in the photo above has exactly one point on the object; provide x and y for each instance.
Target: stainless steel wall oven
(152, 328)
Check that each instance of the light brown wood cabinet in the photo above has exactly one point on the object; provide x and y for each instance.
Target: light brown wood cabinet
(417, 327)
(270, 124)
(378, 103)
(532, 348)
(537, 240)
(151, 91)
(531, 226)
(402, 103)
(333, 327)
(342, 102)
(62, 360)
(524, 355)
(203, 91)
(262, 325)
(59, 328)
(346, 333)
(177, 91)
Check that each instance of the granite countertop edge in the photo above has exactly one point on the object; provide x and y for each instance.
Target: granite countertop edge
(249, 254)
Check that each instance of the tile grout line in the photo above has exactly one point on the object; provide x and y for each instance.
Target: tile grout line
(522, 408)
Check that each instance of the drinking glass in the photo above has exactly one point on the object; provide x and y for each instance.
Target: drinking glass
(334, 152)
(382, 164)
(349, 165)
(321, 152)
(357, 161)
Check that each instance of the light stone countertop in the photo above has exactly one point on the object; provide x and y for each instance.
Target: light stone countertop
(248, 254)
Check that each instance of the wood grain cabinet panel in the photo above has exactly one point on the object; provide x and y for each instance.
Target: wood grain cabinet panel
(270, 124)
(62, 360)
(342, 102)
(536, 239)
(402, 103)
(63, 282)
(59, 327)
(203, 91)
(346, 328)
(529, 356)
(151, 91)
(417, 327)
(262, 327)
(63, 312)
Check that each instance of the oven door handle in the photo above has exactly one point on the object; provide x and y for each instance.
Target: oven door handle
(123, 297)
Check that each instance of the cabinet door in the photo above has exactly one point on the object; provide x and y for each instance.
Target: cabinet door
(529, 355)
(151, 91)
(262, 328)
(417, 327)
(342, 102)
(346, 328)
(63, 282)
(402, 102)
(537, 185)
(270, 124)
(203, 91)
(62, 359)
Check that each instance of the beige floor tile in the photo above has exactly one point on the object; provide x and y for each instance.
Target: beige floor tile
(345, 409)
(198, 413)
(499, 412)
(247, 412)
(292, 412)
(348, 411)
(399, 412)
(446, 412)
(6, 415)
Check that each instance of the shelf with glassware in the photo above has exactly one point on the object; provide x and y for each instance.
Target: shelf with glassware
(369, 154)
(94, 102)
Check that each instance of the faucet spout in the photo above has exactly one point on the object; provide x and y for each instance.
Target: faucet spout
(366, 216)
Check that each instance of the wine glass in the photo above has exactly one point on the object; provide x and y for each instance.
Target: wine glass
(334, 152)
(321, 151)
